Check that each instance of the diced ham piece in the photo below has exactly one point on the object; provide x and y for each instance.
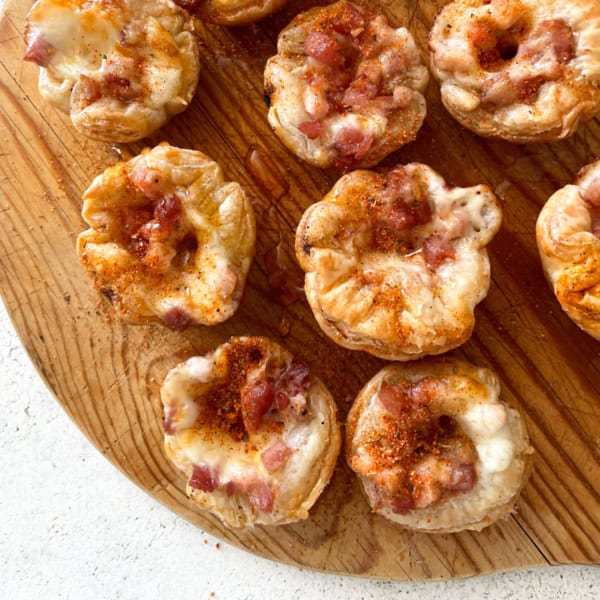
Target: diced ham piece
(259, 493)
(261, 496)
(321, 47)
(402, 504)
(393, 398)
(204, 478)
(464, 477)
(119, 87)
(554, 34)
(40, 50)
(293, 383)
(311, 129)
(352, 142)
(91, 90)
(133, 217)
(256, 400)
(424, 390)
(351, 21)
(138, 245)
(360, 91)
(148, 181)
(177, 319)
(276, 456)
(282, 400)
(436, 250)
(168, 210)
(404, 216)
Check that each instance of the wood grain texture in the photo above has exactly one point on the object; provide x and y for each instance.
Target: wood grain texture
(106, 374)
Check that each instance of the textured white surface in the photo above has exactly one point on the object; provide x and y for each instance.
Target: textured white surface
(74, 527)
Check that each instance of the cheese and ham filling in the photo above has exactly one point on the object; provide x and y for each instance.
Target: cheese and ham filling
(341, 74)
(241, 423)
(434, 447)
(414, 458)
(523, 70)
(120, 69)
(396, 263)
(170, 239)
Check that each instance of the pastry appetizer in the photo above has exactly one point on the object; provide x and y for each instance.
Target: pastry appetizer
(119, 69)
(345, 88)
(169, 240)
(568, 239)
(254, 432)
(435, 449)
(521, 70)
(395, 264)
(231, 12)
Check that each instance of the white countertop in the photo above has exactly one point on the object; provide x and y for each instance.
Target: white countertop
(74, 527)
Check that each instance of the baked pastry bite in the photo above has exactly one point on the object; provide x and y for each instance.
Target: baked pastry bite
(396, 263)
(521, 70)
(345, 88)
(568, 240)
(119, 69)
(231, 12)
(169, 239)
(254, 432)
(435, 449)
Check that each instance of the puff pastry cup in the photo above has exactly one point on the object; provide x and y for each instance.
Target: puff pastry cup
(568, 239)
(435, 449)
(395, 264)
(345, 88)
(254, 432)
(169, 239)
(231, 12)
(120, 69)
(521, 70)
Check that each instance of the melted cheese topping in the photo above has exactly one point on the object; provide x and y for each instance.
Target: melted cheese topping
(149, 44)
(470, 395)
(287, 74)
(390, 303)
(217, 214)
(561, 103)
(570, 252)
(314, 440)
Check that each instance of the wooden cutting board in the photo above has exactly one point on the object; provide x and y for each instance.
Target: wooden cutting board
(106, 374)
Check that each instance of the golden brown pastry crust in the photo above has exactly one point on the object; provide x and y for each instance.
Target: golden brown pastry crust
(567, 235)
(170, 240)
(397, 293)
(521, 70)
(231, 12)
(350, 115)
(120, 69)
(470, 395)
(228, 470)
